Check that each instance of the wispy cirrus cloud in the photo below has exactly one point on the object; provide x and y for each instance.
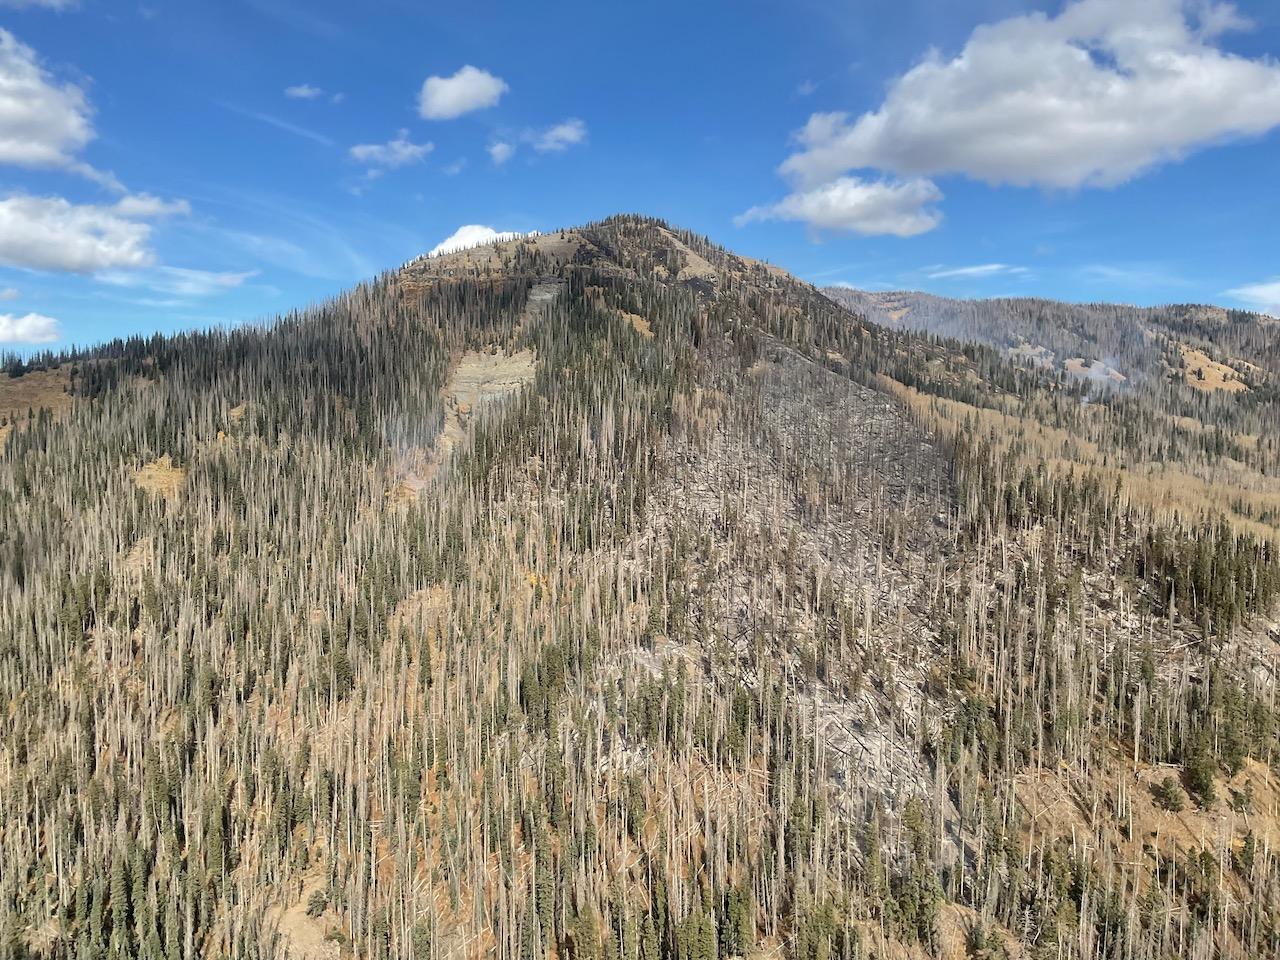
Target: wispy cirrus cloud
(307, 91)
(178, 281)
(975, 271)
(1135, 275)
(558, 137)
(280, 124)
(1264, 296)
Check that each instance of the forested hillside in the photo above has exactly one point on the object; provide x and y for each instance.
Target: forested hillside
(603, 594)
(1177, 404)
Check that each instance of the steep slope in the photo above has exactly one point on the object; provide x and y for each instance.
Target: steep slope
(1135, 395)
(605, 594)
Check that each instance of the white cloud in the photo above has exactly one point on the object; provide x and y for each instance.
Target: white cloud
(559, 137)
(31, 328)
(1092, 97)
(178, 281)
(443, 98)
(501, 152)
(142, 206)
(395, 153)
(1260, 296)
(9, 293)
(869, 207)
(471, 235)
(978, 270)
(50, 233)
(43, 123)
(303, 91)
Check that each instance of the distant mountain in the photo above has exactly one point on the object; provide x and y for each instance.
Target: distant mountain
(604, 594)
(1108, 343)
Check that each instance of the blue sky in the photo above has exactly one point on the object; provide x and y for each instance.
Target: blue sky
(176, 165)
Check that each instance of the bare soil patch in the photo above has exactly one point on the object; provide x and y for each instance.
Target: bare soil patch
(478, 382)
(32, 392)
(161, 477)
(307, 937)
(1205, 373)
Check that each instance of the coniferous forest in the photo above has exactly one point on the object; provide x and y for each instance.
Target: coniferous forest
(603, 595)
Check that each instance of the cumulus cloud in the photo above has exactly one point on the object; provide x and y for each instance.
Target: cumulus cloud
(558, 137)
(398, 152)
(471, 235)
(303, 91)
(501, 152)
(44, 124)
(1092, 97)
(30, 328)
(443, 98)
(868, 207)
(178, 281)
(1260, 296)
(9, 293)
(50, 233)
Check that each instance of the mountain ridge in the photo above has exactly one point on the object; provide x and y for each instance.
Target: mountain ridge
(607, 595)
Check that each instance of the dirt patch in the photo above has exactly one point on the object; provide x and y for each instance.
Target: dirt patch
(555, 250)
(420, 610)
(1136, 828)
(161, 477)
(141, 557)
(32, 392)
(640, 324)
(774, 271)
(479, 382)
(696, 267)
(1206, 374)
(307, 937)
